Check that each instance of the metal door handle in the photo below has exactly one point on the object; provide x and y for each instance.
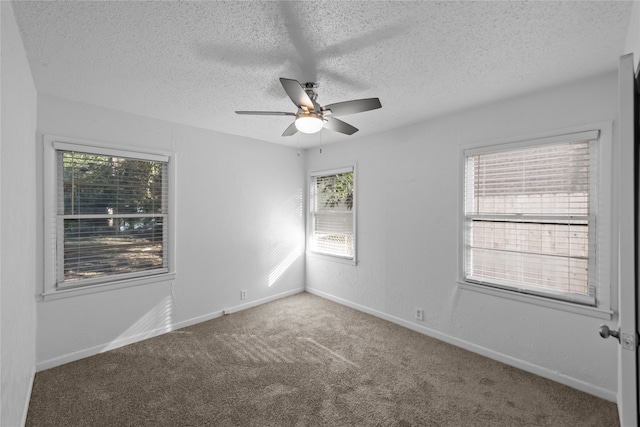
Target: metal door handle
(605, 332)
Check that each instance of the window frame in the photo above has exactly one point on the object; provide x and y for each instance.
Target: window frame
(53, 241)
(601, 260)
(325, 172)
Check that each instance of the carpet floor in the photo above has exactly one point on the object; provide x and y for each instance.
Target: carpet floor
(302, 361)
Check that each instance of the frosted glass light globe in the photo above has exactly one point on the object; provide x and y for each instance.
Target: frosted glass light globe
(309, 124)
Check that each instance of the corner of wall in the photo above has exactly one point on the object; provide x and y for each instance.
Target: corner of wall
(18, 243)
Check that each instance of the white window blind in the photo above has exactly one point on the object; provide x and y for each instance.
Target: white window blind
(111, 216)
(332, 213)
(530, 218)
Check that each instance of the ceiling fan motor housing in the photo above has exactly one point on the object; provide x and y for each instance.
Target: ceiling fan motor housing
(310, 89)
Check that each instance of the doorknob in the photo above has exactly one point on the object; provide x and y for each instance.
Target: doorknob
(605, 332)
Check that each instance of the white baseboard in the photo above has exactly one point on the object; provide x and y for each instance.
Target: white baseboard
(130, 339)
(25, 409)
(491, 354)
(262, 301)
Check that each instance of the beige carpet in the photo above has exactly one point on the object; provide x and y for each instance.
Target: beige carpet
(302, 361)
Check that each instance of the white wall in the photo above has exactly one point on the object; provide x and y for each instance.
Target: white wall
(18, 214)
(632, 44)
(238, 221)
(407, 200)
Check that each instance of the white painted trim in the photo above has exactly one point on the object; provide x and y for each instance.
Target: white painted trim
(515, 143)
(333, 171)
(530, 138)
(352, 167)
(540, 300)
(25, 409)
(61, 144)
(627, 257)
(332, 258)
(50, 143)
(120, 342)
(483, 351)
(98, 144)
(108, 286)
(606, 215)
(261, 301)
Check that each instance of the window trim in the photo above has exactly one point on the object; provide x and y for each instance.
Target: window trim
(53, 143)
(605, 293)
(332, 171)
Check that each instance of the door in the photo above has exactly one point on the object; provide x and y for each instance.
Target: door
(629, 224)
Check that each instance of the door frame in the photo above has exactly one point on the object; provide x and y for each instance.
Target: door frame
(629, 223)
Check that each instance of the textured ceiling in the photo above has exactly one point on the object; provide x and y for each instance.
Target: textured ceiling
(197, 62)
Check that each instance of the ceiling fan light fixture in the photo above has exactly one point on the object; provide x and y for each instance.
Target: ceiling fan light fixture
(308, 123)
(311, 116)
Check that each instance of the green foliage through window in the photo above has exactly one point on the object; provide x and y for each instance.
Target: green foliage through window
(332, 214)
(336, 190)
(96, 184)
(113, 212)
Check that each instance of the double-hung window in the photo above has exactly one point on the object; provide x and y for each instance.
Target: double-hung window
(530, 212)
(109, 216)
(332, 213)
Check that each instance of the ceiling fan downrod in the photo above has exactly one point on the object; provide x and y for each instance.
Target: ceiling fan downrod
(310, 88)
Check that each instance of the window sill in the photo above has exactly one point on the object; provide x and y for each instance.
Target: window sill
(53, 294)
(347, 261)
(537, 300)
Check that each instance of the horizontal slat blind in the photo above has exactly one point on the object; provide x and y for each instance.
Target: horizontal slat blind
(112, 215)
(528, 218)
(550, 180)
(331, 210)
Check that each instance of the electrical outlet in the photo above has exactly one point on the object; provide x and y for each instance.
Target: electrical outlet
(243, 294)
(419, 314)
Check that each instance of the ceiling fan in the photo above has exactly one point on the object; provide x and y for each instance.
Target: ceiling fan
(311, 116)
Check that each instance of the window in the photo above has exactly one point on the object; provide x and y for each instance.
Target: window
(109, 215)
(332, 213)
(530, 212)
